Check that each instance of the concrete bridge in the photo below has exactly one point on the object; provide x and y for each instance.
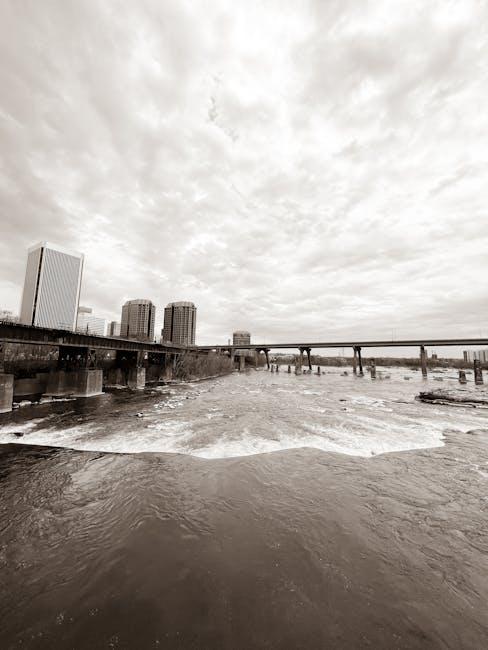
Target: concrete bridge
(356, 346)
(79, 358)
(78, 373)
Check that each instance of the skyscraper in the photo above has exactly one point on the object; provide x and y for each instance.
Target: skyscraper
(180, 319)
(51, 287)
(138, 320)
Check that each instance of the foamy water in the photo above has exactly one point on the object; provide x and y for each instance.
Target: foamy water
(251, 413)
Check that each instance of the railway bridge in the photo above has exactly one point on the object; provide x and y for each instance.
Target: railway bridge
(79, 361)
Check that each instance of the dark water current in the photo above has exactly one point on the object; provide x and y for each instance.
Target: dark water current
(253, 511)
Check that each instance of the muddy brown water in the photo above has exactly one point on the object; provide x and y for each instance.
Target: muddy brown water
(292, 547)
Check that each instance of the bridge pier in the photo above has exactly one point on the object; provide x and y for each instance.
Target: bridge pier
(115, 377)
(478, 373)
(77, 374)
(359, 360)
(84, 382)
(136, 379)
(299, 363)
(423, 361)
(355, 361)
(6, 392)
(266, 352)
(309, 358)
(372, 368)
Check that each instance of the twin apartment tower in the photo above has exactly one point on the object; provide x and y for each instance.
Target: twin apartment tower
(51, 299)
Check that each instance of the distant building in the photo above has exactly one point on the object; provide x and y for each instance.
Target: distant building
(89, 324)
(180, 320)
(137, 321)
(113, 328)
(241, 338)
(51, 287)
(8, 317)
(471, 355)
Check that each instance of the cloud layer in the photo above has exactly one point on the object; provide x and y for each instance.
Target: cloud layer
(306, 170)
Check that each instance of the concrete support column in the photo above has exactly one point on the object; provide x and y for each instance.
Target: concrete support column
(137, 378)
(372, 369)
(6, 392)
(289, 369)
(242, 362)
(423, 361)
(462, 377)
(115, 377)
(88, 382)
(318, 370)
(478, 373)
(355, 361)
(84, 382)
(300, 361)
(266, 352)
(308, 351)
(360, 361)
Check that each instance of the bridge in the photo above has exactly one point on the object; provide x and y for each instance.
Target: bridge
(79, 358)
(356, 346)
(78, 362)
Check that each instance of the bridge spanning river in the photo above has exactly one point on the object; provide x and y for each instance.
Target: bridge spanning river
(78, 370)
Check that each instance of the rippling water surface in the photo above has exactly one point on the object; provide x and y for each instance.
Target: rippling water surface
(258, 510)
(253, 413)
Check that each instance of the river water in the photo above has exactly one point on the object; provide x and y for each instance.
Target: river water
(257, 510)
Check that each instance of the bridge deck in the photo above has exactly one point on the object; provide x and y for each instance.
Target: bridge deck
(468, 342)
(15, 333)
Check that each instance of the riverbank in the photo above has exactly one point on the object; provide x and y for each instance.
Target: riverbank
(296, 549)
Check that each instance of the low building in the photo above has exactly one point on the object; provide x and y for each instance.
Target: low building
(87, 323)
(8, 317)
(480, 355)
(113, 328)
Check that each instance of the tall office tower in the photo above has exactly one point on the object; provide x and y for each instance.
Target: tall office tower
(241, 338)
(113, 328)
(87, 323)
(180, 320)
(138, 320)
(51, 287)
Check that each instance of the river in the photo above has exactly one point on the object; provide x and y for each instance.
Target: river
(257, 510)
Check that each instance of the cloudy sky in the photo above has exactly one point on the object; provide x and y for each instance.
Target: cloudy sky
(312, 170)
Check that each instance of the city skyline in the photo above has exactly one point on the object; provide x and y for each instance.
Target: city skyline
(333, 201)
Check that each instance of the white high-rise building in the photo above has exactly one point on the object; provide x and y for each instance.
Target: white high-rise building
(51, 287)
(88, 323)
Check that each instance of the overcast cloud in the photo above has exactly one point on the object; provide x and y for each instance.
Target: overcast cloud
(310, 170)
